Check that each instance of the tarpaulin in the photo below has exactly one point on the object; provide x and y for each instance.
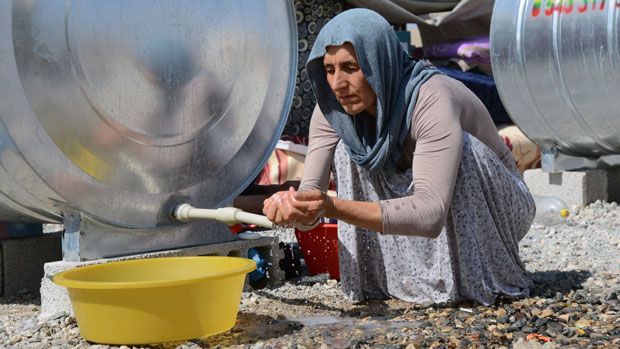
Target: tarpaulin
(430, 12)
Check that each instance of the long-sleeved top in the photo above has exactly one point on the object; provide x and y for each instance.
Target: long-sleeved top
(444, 110)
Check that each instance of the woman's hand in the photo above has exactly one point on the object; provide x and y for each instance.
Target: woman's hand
(314, 203)
(306, 207)
(280, 209)
(290, 207)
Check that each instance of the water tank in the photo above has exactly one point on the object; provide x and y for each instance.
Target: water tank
(557, 68)
(119, 110)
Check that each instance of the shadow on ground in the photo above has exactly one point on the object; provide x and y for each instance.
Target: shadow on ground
(251, 328)
(370, 308)
(548, 283)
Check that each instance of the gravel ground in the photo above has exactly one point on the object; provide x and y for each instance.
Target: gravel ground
(575, 304)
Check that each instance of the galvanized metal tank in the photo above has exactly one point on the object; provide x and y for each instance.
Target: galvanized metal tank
(557, 68)
(119, 110)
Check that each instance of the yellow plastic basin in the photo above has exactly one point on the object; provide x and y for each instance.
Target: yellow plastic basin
(156, 300)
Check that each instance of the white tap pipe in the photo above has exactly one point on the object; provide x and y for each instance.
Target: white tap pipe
(228, 215)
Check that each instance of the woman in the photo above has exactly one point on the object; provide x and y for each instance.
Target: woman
(430, 204)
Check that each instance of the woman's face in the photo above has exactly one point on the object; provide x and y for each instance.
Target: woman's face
(347, 81)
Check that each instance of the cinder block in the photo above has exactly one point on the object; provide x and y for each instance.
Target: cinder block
(576, 188)
(22, 260)
(613, 184)
(55, 299)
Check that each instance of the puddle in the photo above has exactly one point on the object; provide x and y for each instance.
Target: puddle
(317, 320)
(344, 324)
(338, 332)
(334, 331)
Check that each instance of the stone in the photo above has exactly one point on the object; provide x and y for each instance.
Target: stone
(546, 313)
(577, 188)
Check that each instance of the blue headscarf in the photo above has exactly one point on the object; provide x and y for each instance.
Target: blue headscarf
(391, 73)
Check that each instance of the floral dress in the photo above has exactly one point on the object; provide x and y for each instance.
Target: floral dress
(475, 257)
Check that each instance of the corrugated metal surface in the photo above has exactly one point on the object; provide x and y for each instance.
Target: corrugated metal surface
(557, 68)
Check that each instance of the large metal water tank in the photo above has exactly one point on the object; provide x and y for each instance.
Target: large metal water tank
(557, 68)
(119, 110)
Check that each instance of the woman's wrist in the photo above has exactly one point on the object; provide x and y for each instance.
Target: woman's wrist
(330, 210)
(306, 227)
(313, 223)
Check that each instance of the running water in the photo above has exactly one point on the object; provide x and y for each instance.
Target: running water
(284, 233)
(281, 229)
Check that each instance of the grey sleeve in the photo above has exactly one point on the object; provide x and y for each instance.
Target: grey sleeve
(320, 154)
(438, 136)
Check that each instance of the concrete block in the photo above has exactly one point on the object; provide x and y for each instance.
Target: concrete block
(22, 260)
(273, 254)
(55, 299)
(576, 188)
(613, 185)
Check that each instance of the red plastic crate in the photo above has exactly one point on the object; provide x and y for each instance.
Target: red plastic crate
(319, 247)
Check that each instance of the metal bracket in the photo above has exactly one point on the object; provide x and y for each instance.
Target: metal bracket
(548, 157)
(71, 236)
(554, 161)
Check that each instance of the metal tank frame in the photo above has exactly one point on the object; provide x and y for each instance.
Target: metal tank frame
(557, 69)
(115, 112)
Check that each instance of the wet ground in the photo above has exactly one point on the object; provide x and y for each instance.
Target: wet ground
(575, 303)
